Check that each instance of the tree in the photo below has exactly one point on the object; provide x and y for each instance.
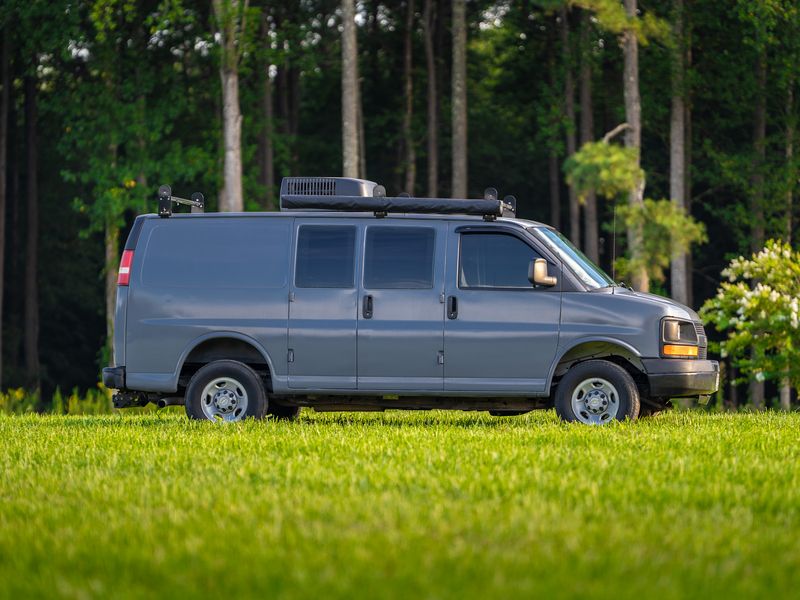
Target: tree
(459, 101)
(633, 135)
(591, 243)
(429, 23)
(410, 158)
(268, 128)
(569, 117)
(350, 95)
(32, 234)
(231, 21)
(5, 83)
(677, 176)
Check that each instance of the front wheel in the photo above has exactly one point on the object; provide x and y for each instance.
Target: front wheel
(225, 390)
(597, 392)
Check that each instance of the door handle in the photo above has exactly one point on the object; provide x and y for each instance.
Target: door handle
(452, 307)
(366, 309)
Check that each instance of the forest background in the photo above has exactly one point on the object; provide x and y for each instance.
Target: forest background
(673, 123)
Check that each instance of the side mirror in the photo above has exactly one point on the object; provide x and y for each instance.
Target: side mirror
(537, 273)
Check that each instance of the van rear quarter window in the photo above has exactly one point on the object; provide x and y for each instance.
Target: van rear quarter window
(217, 253)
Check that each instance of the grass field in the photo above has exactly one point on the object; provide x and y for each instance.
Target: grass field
(400, 505)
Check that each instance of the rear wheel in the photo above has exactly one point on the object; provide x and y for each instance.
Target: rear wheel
(225, 390)
(597, 392)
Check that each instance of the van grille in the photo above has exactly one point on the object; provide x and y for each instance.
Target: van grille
(311, 186)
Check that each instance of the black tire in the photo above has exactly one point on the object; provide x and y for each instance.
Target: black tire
(282, 412)
(627, 394)
(248, 380)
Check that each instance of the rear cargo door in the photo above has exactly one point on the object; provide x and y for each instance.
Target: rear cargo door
(401, 309)
(323, 306)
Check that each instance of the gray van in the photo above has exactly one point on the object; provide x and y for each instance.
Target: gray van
(350, 300)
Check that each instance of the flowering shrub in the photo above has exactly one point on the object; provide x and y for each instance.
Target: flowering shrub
(759, 309)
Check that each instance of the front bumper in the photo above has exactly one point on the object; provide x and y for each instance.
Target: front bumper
(676, 378)
(114, 378)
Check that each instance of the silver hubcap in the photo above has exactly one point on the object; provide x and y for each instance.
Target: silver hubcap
(595, 401)
(224, 399)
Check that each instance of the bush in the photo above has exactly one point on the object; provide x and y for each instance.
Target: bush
(759, 311)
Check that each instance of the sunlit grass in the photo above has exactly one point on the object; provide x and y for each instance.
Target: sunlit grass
(399, 504)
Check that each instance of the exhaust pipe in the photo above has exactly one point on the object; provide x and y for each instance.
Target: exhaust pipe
(171, 401)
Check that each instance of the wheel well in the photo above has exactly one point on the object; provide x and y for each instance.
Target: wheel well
(228, 349)
(609, 351)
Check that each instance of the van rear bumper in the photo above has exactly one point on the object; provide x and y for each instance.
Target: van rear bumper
(114, 378)
(675, 378)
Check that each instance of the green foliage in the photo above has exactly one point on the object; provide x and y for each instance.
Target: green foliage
(667, 230)
(609, 169)
(758, 309)
(93, 402)
(397, 505)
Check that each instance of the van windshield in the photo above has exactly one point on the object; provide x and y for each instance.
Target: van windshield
(589, 273)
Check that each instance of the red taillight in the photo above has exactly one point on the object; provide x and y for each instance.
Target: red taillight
(125, 268)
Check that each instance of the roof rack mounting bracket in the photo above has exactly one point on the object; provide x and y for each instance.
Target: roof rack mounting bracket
(165, 200)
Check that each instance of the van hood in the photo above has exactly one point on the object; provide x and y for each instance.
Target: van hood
(670, 307)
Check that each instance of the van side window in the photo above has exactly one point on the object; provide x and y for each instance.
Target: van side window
(325, 256)
(399, 258)
(494, 260)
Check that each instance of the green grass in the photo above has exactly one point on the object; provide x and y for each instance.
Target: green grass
(402, 505)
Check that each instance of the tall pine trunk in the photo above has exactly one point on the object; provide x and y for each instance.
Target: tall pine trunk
(32, 240)
(757, 184)
(459, 101)
(410, 158)
(228, 14)
(786, 387)
(633, 139)
(569, 115)
(350, 154)
(677, 152)
(591, 241)
(268, 151)
(5, 81)
(429, 17)
(554, 177)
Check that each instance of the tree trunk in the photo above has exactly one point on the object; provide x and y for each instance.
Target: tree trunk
(459, 101)
(792, 178)
(410, 158)
(230, 23)
(350, 154)
(555, 189)
(32, 241)
(786, 394)
(111, 242)
(429, 17)
(687, 145)
(591, 241)
(677, 152)
(5, 82)
(633, 139)
(569, 115)
(268, 151)
(757, 183)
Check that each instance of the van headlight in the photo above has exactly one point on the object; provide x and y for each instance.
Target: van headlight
(678, 339)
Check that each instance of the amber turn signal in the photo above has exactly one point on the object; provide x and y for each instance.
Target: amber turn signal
(673, 350)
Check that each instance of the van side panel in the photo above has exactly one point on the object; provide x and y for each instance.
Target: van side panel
(195, 278)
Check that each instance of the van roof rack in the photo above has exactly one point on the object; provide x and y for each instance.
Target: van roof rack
(357, 195)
